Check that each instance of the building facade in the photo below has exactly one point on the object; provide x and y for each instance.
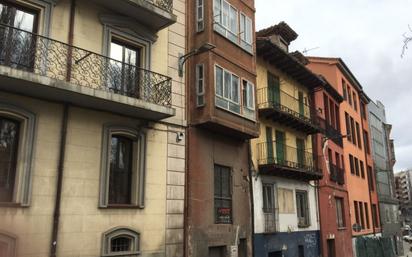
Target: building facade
(403, 184)
(384, 159)
(335, 223)
(92, 121)
(358, 163)
(222, 118)
(285, 164)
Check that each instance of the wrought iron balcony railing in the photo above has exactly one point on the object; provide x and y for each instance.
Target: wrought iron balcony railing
(337, 174)
(166, 5)
(284, 102)
(26, 51)
(279, 154)
(330, 132)
(270, 221)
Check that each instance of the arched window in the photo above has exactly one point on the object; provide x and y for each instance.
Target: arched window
(16, 147)
(121, 242)
(7, 245)
(123, 167)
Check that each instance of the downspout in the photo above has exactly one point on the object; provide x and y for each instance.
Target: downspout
(60, 170)
(63, 137)
(252, 201)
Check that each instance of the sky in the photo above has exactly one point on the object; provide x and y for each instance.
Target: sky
(368, 36)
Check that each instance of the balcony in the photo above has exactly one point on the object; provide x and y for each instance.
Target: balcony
(40, 67)
(288, 110)
(337, 174)
(330, 132)
(278, 159)
(153, 14)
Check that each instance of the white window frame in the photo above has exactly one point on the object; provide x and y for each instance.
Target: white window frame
(200, 15)
(23, 178)
(109, 235)
(245, 42)
(249, 102)
(138, 168)
(229, 98)
(223, 20)
(200, 85)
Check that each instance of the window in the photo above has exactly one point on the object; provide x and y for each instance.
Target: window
(246, 32)
(123, 167)
(355, 103)
(332, 113)
(337, 126)
(345, 94)
(326, 107)
(349, 95)
(362, 169)
(375, 216)
(370, 179)
(352, 164)
(248, 100)
(302, 208)
(366, 142)
(348, 128)
(223, 194)
(226, 20)
(7, 245)
(200, 12)
(356, 166)
(367, 216)
(362, 215)
(217, 251)
(121, 242)
(301, 251)
(352, 130)
(200, 85)
(242, 247)
(340, 214)
(357, 218)
(331, 247)
(269, 207)
(363, 110)
(19, 50)
(227, 90)
(358, 135)
(16, 148)
(123, 73)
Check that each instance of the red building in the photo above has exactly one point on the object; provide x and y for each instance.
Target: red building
(335, 225)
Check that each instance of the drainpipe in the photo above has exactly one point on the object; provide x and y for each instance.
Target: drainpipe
(70, 40)
(252, 201)
(60, 169)
(63, 137)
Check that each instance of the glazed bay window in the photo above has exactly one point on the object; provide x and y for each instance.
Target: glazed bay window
(302, 208)
(123, 168)
(227, 90)
(223, 194)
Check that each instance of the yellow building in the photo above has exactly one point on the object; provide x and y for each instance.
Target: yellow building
(285, 200)
(92, 121)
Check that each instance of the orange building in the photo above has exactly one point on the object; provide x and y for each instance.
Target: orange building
(359, 175)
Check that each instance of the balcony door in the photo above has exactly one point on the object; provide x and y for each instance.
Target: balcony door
(300, 148)
(17, 44)
(301, 104)
(269, 145)
(280, 147)
(124, 69)
(273, 90)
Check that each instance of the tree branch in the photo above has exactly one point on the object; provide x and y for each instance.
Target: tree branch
(406, 39)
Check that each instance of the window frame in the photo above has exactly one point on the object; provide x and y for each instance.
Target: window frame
(116, 232)
(200, 11)
(200, 94)
(340, 213)
(306, 211)
(138, 169)
(222, 97)
(25, 149)
(217, 197)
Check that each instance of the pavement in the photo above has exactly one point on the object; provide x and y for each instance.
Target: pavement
(406, 247)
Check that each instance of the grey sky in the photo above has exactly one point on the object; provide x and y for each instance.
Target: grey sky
(367, 35)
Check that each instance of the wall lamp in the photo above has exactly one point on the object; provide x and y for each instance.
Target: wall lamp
(203, 48)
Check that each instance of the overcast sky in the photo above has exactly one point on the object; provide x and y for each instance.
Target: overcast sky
(367, 35)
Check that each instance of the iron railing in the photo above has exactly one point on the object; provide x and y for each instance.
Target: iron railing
(26, 51)
(166, 5)
(336, 174)
(287, 156)
(270, 221)
(287, 104)
(330, 132)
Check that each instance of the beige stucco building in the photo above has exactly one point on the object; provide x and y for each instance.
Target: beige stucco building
(92, 137)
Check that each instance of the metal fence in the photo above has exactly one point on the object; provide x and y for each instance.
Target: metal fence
(30, 52)
(166, 5)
